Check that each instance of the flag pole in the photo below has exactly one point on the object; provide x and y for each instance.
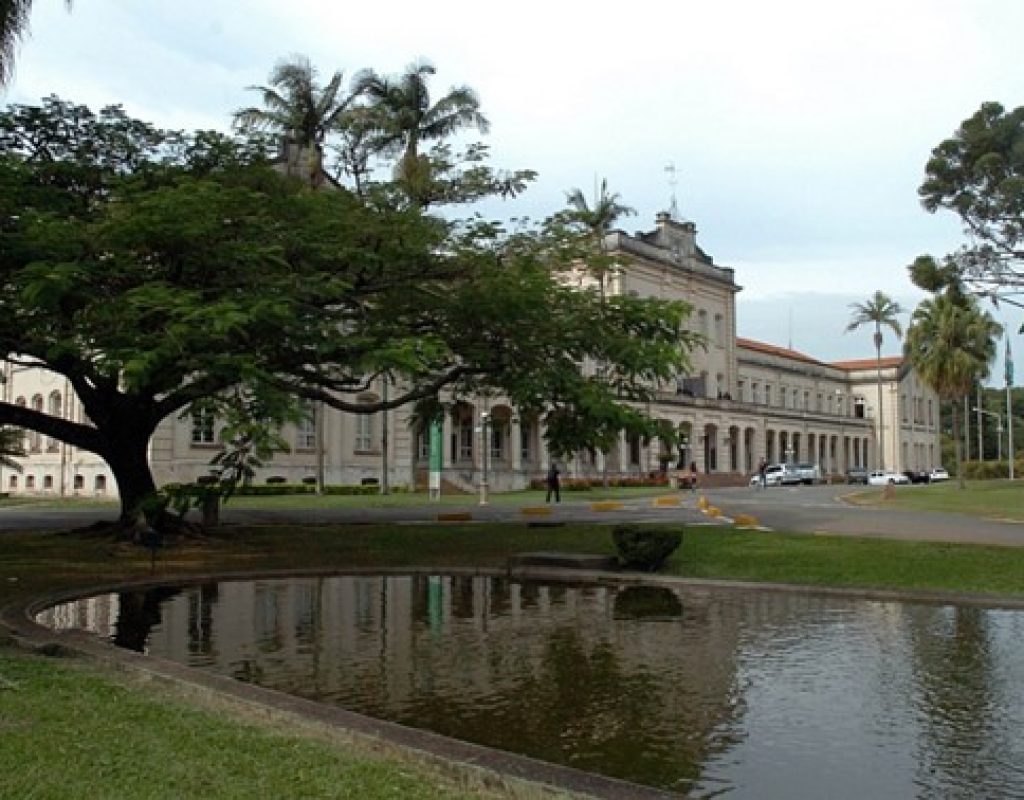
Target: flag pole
(1009, 404)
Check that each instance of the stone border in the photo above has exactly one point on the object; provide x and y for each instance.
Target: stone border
(470, 765)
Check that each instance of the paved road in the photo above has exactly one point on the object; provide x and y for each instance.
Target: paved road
(811, 509)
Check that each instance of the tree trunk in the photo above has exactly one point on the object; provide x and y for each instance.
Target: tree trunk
(129, 461)
(958, 446)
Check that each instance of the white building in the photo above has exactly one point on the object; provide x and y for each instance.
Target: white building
(742, 401)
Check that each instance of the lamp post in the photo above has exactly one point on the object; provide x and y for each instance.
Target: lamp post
(999, 432)
(485, 419)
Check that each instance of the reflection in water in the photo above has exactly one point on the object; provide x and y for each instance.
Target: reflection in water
(705, 692)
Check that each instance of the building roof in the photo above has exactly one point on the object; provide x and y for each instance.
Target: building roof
(869, 363)
(774, 350)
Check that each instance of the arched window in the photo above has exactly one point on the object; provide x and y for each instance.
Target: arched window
(30, 482)
(12, 482)
(54, 409)
(35, 440)
(47, 483)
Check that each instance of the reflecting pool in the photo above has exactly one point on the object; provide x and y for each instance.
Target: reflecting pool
(703, 691)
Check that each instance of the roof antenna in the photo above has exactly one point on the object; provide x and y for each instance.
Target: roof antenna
(673, 181)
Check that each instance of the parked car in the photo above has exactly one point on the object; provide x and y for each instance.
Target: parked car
(917, 476)
(809, 473)
(938, 474)
(777, 475)
(857, 475)
(883, 478)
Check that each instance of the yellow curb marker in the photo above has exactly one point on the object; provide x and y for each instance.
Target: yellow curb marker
(745, 521)
(702, 503)
(455, 516)
(666, 501)
(711, 511)
(536, 511)
(607, 505)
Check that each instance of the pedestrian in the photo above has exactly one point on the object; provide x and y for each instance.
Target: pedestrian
(693, 476)
(553, 484)
(762, 472)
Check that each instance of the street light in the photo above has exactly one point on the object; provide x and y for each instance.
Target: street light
(999, 432)
(485, 418)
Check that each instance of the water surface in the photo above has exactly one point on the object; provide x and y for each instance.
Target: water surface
(705, 692)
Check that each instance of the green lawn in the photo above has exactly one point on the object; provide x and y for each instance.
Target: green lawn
(1002, 499)
(66, 731)
(126, 742)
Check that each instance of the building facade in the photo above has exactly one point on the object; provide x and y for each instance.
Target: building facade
(741, 401)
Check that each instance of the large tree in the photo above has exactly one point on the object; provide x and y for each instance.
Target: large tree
(406, 118)
(880, 311)
(951, 343)
(300, 110)
(157, 271)
(978, 174)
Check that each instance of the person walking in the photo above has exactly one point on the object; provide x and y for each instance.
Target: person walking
(553, 484)
(693, 476)
(762, 472)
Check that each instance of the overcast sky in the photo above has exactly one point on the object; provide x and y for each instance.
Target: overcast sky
(799, 129)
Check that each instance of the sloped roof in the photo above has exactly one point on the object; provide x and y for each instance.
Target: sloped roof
(869, 363)
(774, 350)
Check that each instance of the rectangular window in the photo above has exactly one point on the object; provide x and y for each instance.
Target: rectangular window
(364, 432)
(306, 435)
(634, 450)
(497, 435)
(525, 437)
(202, 427)
(466, 440)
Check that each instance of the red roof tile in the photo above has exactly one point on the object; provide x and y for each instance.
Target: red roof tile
(869, 363)
(774, 350)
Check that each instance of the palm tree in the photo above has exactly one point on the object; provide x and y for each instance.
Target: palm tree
(296, 106)
(597, 220)
(879, 310)
(405, 117)
(951, 342)
(14, 16)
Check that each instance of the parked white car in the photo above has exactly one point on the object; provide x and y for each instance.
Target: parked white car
(777, 475)
(938, 474)
(883, 478)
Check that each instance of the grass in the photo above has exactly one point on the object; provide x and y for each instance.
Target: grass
(66, 731)
(1002, 499)
(131, 743)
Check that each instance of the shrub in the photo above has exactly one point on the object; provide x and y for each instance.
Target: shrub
(644, 547)
(986, 470)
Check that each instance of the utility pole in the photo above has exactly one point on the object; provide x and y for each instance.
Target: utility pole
(981, 445)
(1008, 364)
(384, 440)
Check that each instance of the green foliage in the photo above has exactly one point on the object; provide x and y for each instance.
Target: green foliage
(158, 270)
(992, 470)
(978, 174)
(645, 547)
